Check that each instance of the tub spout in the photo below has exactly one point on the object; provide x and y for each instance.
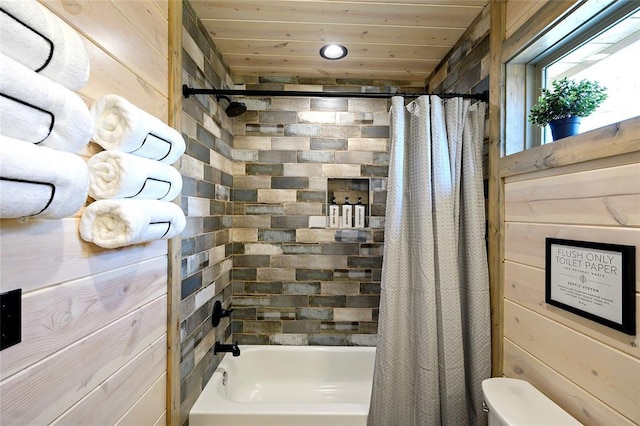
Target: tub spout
(219, 347)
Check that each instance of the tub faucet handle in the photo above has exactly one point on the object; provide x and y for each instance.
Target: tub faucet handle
(218, 313)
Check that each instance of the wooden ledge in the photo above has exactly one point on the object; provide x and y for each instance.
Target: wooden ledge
(609, 141)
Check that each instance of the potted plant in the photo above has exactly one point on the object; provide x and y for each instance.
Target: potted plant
(564, 106)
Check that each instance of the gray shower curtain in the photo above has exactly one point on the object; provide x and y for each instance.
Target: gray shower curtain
(434, 345)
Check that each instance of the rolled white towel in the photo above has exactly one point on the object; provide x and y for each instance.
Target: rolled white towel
(115, 174)
(122, 126)
(37, 110)
(118, 223)
(40, 181)
(34, 36)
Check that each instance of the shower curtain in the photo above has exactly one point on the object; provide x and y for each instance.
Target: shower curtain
(434, 345)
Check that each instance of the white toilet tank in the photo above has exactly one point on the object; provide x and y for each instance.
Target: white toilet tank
(514, 402)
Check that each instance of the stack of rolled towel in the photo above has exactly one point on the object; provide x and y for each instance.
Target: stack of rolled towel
(42, 121)
(132, 181)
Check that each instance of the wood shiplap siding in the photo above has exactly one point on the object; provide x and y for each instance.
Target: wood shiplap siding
(576, 189)
(94, 321)
(580, 188)
(387, 40)
(518, 12)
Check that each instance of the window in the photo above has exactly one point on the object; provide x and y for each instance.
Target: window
(595, 40)
(607, 51)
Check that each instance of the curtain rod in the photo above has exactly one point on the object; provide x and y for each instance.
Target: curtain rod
(188, 91)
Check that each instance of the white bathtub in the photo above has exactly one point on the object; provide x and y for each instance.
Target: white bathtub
(288, 385)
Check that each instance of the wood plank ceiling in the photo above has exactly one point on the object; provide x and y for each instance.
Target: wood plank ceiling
(387, 39)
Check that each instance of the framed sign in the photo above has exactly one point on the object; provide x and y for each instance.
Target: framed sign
(593, 280)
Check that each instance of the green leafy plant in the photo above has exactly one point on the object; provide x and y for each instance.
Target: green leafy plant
(566, 99)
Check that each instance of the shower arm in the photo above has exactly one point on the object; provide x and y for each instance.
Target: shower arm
(220, 96)
(188, 91)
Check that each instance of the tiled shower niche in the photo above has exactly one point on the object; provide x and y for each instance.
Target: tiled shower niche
(351, 190)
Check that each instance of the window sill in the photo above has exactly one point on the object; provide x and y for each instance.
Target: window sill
(608, 141)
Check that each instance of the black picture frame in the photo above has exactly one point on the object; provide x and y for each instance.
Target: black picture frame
(582, 288)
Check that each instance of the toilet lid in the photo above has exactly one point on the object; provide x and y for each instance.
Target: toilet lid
(517, 402)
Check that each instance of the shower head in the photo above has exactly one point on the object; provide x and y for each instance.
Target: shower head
(234, 109)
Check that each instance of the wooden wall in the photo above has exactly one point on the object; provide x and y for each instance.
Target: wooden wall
(518, 12)
(589, 369)
(579, 188)
(93, 320)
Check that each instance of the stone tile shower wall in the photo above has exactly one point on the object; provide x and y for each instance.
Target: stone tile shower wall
(207, 170)
(295, 281)
(465, 69)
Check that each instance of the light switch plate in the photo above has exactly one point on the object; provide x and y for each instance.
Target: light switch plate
(10, 318)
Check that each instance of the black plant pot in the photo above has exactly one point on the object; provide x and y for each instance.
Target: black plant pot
(564, 127)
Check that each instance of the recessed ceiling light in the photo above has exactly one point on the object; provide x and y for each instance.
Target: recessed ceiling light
(333, 51)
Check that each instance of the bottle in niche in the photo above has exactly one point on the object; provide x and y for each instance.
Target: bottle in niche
(334, 214)
(359, 214)
(347, 214)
